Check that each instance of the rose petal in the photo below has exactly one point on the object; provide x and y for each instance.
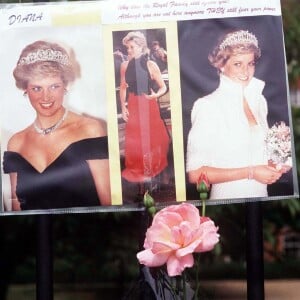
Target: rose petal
(170, 218)
(187, 232)
(189, 213)
(190, 248)
(176, 265)
(166, 246)
(158, 232)
(147, 258)
(209, 237)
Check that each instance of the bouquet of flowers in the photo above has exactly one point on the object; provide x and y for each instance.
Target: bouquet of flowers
(278, 142)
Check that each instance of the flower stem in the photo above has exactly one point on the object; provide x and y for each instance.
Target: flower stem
(197, 277)
(183, 285)
(203, 208)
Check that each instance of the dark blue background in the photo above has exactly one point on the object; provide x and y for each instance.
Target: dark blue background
(198, 78)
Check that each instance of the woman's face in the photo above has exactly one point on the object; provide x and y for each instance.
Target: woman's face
(134, 50)
(46, 95)
(240, 68)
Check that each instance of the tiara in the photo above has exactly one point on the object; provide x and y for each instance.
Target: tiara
(44, 55)
(239, 37)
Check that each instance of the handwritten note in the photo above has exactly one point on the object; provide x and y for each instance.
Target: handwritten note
(154, 11)
(24, 16)
(131, 11)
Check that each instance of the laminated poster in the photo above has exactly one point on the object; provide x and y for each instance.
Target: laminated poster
(104, 101)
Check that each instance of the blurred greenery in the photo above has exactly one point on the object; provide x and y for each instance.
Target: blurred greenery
(102, 247)
(291, 23)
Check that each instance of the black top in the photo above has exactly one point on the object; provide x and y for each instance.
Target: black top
(66, 182)
(137, 76)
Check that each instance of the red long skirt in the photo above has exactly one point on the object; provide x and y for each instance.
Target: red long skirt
(146, 140)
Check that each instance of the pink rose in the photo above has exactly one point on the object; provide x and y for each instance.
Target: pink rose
(176, 232)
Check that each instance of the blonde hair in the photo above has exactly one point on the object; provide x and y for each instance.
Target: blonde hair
(36, 68)
(220, 54)
(138, 38)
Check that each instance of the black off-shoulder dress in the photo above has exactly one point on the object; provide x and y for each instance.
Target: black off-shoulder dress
(66, 182)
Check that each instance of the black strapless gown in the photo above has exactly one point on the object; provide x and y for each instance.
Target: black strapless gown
(66, 182)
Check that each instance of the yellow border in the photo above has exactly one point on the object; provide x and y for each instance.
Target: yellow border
(84, 18)
(175, 102)
(112, 121)
(176, 110)
(75, 14)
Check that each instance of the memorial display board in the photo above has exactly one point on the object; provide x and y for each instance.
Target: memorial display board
(103, 101)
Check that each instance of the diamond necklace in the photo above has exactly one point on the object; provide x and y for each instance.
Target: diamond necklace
(50, 129)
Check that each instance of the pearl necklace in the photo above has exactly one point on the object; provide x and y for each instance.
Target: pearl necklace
(45, 131)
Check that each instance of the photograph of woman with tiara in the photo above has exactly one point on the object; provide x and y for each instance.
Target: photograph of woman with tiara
(234, 89)
(55, 141)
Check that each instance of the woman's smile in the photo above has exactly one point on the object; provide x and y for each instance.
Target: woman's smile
(243, 78)
(46, 95)
(240, 68)
(47, 105)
